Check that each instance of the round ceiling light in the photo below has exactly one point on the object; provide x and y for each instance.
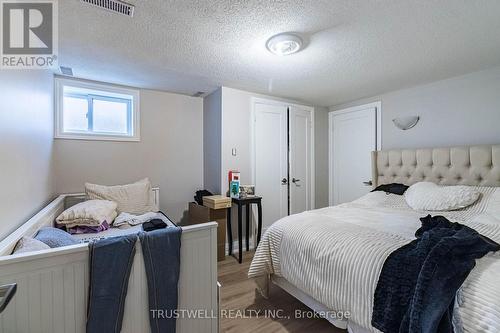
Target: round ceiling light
(284, 44)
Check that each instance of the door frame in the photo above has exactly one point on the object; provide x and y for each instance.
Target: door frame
(260, 100)
(378, 136)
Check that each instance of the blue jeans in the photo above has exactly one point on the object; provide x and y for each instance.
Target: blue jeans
(161, 250)
(110, 263)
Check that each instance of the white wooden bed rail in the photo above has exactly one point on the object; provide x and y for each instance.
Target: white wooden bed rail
(52, 284)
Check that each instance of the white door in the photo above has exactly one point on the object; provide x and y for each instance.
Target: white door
(270, 161)
(300, 135)
(353, 136)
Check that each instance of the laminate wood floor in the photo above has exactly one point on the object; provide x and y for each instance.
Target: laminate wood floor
(239, 297)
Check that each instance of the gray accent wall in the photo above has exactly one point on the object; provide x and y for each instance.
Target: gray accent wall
(212, 141)
(463, 110)
(26, 143)
(170, 153)
(321, 156)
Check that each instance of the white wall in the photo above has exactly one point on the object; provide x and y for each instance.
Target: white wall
(26, 141)
(236, 112)
(170, 153)
(212, 136)
(463, 110)
(237, 106)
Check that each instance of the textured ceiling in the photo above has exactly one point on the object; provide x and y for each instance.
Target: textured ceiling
(356, 48)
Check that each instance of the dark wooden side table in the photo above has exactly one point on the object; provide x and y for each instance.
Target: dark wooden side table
(247, 202)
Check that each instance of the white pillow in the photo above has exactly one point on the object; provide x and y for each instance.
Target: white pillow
(88, 213)
(133, 198)
(429, 196)
(28, 244)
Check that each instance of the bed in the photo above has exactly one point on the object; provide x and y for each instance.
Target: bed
(330, 258)
(52, 285)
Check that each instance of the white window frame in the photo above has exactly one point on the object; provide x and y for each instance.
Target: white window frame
(60, 83)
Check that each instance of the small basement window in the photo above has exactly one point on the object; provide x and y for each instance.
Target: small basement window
(95, 111)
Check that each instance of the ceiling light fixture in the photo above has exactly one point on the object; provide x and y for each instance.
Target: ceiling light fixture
(284, 44)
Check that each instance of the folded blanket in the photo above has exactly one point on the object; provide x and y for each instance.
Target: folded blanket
(417, 286)
(54, 237)
(84, 229)
(126, 218)
(161, 250)
(110, 263)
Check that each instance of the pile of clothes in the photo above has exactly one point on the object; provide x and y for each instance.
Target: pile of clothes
(121, 206)
(94, 216)
(90, 216)
(150, 221)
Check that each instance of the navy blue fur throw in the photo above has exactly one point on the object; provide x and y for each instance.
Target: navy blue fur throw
(417, 286)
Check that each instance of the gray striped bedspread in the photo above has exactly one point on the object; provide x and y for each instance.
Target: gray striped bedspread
(336, 254)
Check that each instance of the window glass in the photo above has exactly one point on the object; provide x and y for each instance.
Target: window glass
(110, 116)
(75, 114)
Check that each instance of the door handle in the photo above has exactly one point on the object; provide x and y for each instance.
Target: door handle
(6, 293)
(294, 180)
(284, 181)
(368, 183)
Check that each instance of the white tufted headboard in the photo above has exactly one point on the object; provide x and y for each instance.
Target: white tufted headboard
(475, 165)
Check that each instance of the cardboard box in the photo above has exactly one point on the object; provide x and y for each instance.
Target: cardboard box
(202, 214)
(217, 202)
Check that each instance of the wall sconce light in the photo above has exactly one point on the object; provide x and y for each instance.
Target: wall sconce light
(405, 123)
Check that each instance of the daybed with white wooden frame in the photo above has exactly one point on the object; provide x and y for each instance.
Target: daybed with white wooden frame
(52, 285)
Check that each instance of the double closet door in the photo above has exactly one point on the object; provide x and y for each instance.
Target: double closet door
(282, 159)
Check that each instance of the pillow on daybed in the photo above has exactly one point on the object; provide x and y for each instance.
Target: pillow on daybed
(90, 213)
(55, 237)
(133, 198)
(429, 196)
(28, 244)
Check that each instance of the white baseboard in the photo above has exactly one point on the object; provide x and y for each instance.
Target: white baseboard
(235, 245)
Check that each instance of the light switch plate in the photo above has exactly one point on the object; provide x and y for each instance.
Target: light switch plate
(233, 151)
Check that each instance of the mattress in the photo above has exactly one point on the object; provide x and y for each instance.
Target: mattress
(336, 254)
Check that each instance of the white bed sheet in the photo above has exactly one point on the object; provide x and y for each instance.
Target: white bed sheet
(336, 254)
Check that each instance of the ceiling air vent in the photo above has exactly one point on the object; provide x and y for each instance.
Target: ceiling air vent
(115, 6)
(66, 71)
